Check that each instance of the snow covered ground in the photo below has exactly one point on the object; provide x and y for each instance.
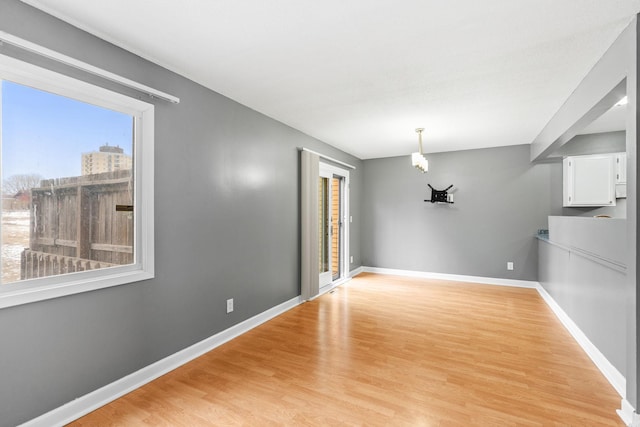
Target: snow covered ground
(15, 238)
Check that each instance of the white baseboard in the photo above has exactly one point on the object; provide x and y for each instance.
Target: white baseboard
(354, 273)
(612, 375)
(452, 277)
(92, 401)
(628, 414)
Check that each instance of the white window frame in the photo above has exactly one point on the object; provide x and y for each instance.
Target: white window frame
(32, 290)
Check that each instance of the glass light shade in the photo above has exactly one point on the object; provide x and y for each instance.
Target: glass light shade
(419, 162)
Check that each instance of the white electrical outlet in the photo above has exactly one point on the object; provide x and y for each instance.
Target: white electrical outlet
(510, 265)
(351, 259)
(229, 305)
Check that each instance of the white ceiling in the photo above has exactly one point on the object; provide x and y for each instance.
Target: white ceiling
(361, 75)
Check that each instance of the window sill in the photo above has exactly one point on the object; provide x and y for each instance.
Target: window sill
(41, 292)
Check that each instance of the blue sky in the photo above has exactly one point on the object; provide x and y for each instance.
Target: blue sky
(46, 134)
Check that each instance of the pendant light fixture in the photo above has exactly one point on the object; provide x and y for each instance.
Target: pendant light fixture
(417, 159)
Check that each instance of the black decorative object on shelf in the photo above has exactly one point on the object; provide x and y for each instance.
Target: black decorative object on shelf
(440, 196)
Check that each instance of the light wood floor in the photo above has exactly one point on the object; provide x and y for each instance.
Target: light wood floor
(384, 350)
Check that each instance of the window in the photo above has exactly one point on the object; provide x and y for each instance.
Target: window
(77, 185)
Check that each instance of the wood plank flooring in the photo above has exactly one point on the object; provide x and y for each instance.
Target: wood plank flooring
(386, 350)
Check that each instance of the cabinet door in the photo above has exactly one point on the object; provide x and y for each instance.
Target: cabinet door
(621, 168)
(621, 175)
(589, 180)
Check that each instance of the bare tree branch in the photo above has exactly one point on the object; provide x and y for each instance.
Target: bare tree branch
(20, 183)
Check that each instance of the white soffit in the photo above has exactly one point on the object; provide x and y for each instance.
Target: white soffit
(362, 75)
(614, 119)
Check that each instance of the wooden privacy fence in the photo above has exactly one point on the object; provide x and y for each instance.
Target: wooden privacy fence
(41, 264)
(75, 225)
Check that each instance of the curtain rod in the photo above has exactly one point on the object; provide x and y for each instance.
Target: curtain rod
(331, 159)
(72, 62)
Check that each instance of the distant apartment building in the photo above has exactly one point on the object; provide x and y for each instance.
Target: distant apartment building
(107, 159)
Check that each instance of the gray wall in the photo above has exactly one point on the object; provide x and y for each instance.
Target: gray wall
(501, 200)
(596, 143)
(220, 234)
(592, 293)
(615, 74)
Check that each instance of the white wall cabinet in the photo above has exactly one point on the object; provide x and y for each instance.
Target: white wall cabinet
(589, 180)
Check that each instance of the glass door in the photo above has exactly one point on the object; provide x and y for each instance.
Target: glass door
(331, 227)
(336, 227)
(324, 229)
